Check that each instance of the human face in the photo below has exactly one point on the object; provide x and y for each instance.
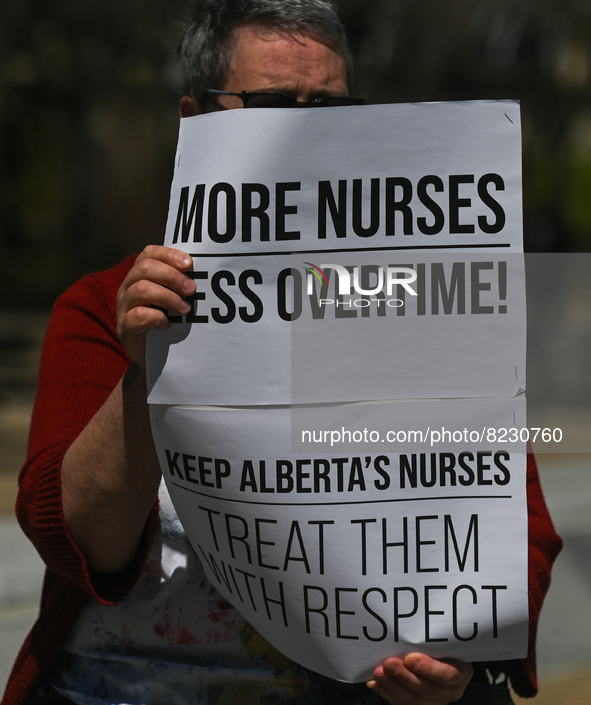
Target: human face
(292, 64)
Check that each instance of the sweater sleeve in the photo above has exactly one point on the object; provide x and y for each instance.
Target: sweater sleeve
(81, 363)
(544, 547)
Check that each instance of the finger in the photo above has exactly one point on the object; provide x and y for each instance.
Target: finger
(409, 681)
(140, 319)
(155, 285)
(386, 683)
(169, 255)
(151, 294)
(389, 695)
(444, 672)
(146, 305)
(133, 327)
(158, 272)
(152, 282)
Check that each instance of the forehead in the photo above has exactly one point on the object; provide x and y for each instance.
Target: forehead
(265, 59)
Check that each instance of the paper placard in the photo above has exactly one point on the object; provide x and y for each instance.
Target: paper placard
(359, 271)
(434, 188)
(341, 559)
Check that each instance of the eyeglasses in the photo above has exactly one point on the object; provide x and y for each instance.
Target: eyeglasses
(277, 100)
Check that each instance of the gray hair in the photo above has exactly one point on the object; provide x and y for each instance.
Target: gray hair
(206, 47)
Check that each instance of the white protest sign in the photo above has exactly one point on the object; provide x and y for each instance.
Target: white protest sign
(261, 197)
(343, 559)
(359, 270)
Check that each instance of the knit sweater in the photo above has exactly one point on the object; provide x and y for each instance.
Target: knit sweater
(82, 362)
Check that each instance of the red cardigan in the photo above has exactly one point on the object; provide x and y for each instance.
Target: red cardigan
(82, 361)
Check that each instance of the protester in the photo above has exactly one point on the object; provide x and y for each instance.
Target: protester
(127, 615)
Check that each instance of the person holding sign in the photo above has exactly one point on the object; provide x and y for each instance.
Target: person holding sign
(91, 498)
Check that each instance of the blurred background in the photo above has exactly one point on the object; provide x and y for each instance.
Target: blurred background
(88, 115)
(88, 127)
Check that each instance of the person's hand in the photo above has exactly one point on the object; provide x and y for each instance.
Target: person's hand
(420, 680)
(157, 279)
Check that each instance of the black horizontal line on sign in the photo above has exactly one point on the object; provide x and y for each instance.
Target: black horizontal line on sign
(334, 504)
(351, 249)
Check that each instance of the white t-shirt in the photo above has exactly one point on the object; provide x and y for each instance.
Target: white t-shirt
(175, 640)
